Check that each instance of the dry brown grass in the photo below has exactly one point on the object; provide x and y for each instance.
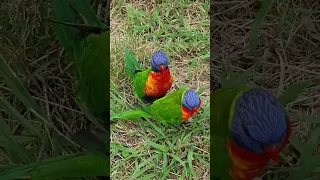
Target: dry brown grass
(31, 48)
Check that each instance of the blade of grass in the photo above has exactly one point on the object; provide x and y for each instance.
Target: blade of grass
(304, 118)
(293, 91)
(149, 176)
(141, 171)
(305, 169)
(296, 143)
(312, 143)
(139, 166)
(100, 124)
(157, 146)
(16, 86)
(76, 165)
(190, 159)
(259, 19)
(24, 122)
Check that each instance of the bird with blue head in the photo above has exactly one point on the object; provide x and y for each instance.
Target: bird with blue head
(260, 129)
(172, 109)
(153, 83)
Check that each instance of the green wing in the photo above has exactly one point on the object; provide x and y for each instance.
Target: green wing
(90, 52)
(132, 64)
(92, 62)
(168, 109)
(139, 78)
(72, 11)
(139, 113)
(222, 109)
(139, 82)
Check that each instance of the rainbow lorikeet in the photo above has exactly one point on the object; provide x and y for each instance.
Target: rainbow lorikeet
(174, 108)
(86, 41)
(152, 83)
(249, 128)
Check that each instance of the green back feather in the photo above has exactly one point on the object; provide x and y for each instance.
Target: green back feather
(131, 64)
(90, 53)
(139, 78)
(139, 82)
(93, 64)
(139, 113)
(166, 110)
(71, 11)
(221, 111)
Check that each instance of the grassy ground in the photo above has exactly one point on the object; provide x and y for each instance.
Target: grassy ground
(146, 149)
(32, 51)
(288, 51)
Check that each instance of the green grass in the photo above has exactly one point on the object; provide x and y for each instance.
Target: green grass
(38, 115)
(147, 149)
(276, 48)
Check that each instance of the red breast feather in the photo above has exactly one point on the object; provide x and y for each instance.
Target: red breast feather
(158, 83)
(248, 165)
(187, 114)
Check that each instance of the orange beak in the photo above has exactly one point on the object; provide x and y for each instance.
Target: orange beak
(162, 68)
(195, 110)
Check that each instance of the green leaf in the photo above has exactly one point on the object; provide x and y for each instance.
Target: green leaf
(259, 19)
(310, 146)
(97, 122)
(76, 165)
(178, 159)
(306, 168)
(157, 146)
(190, 158)
(140, 171)
(22, 120)
(293, 91)
(296, 143)
(148, 176)
(16, 86)
(310, 26)
(165, 161)
(201, 90)
(237, 79)
(304, 118)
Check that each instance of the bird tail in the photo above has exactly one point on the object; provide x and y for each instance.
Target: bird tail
(68, 12)
(132, 64)
(139, 113)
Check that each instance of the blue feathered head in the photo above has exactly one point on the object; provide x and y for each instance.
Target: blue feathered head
(159, 61)
(191, 99)
(260, 121)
